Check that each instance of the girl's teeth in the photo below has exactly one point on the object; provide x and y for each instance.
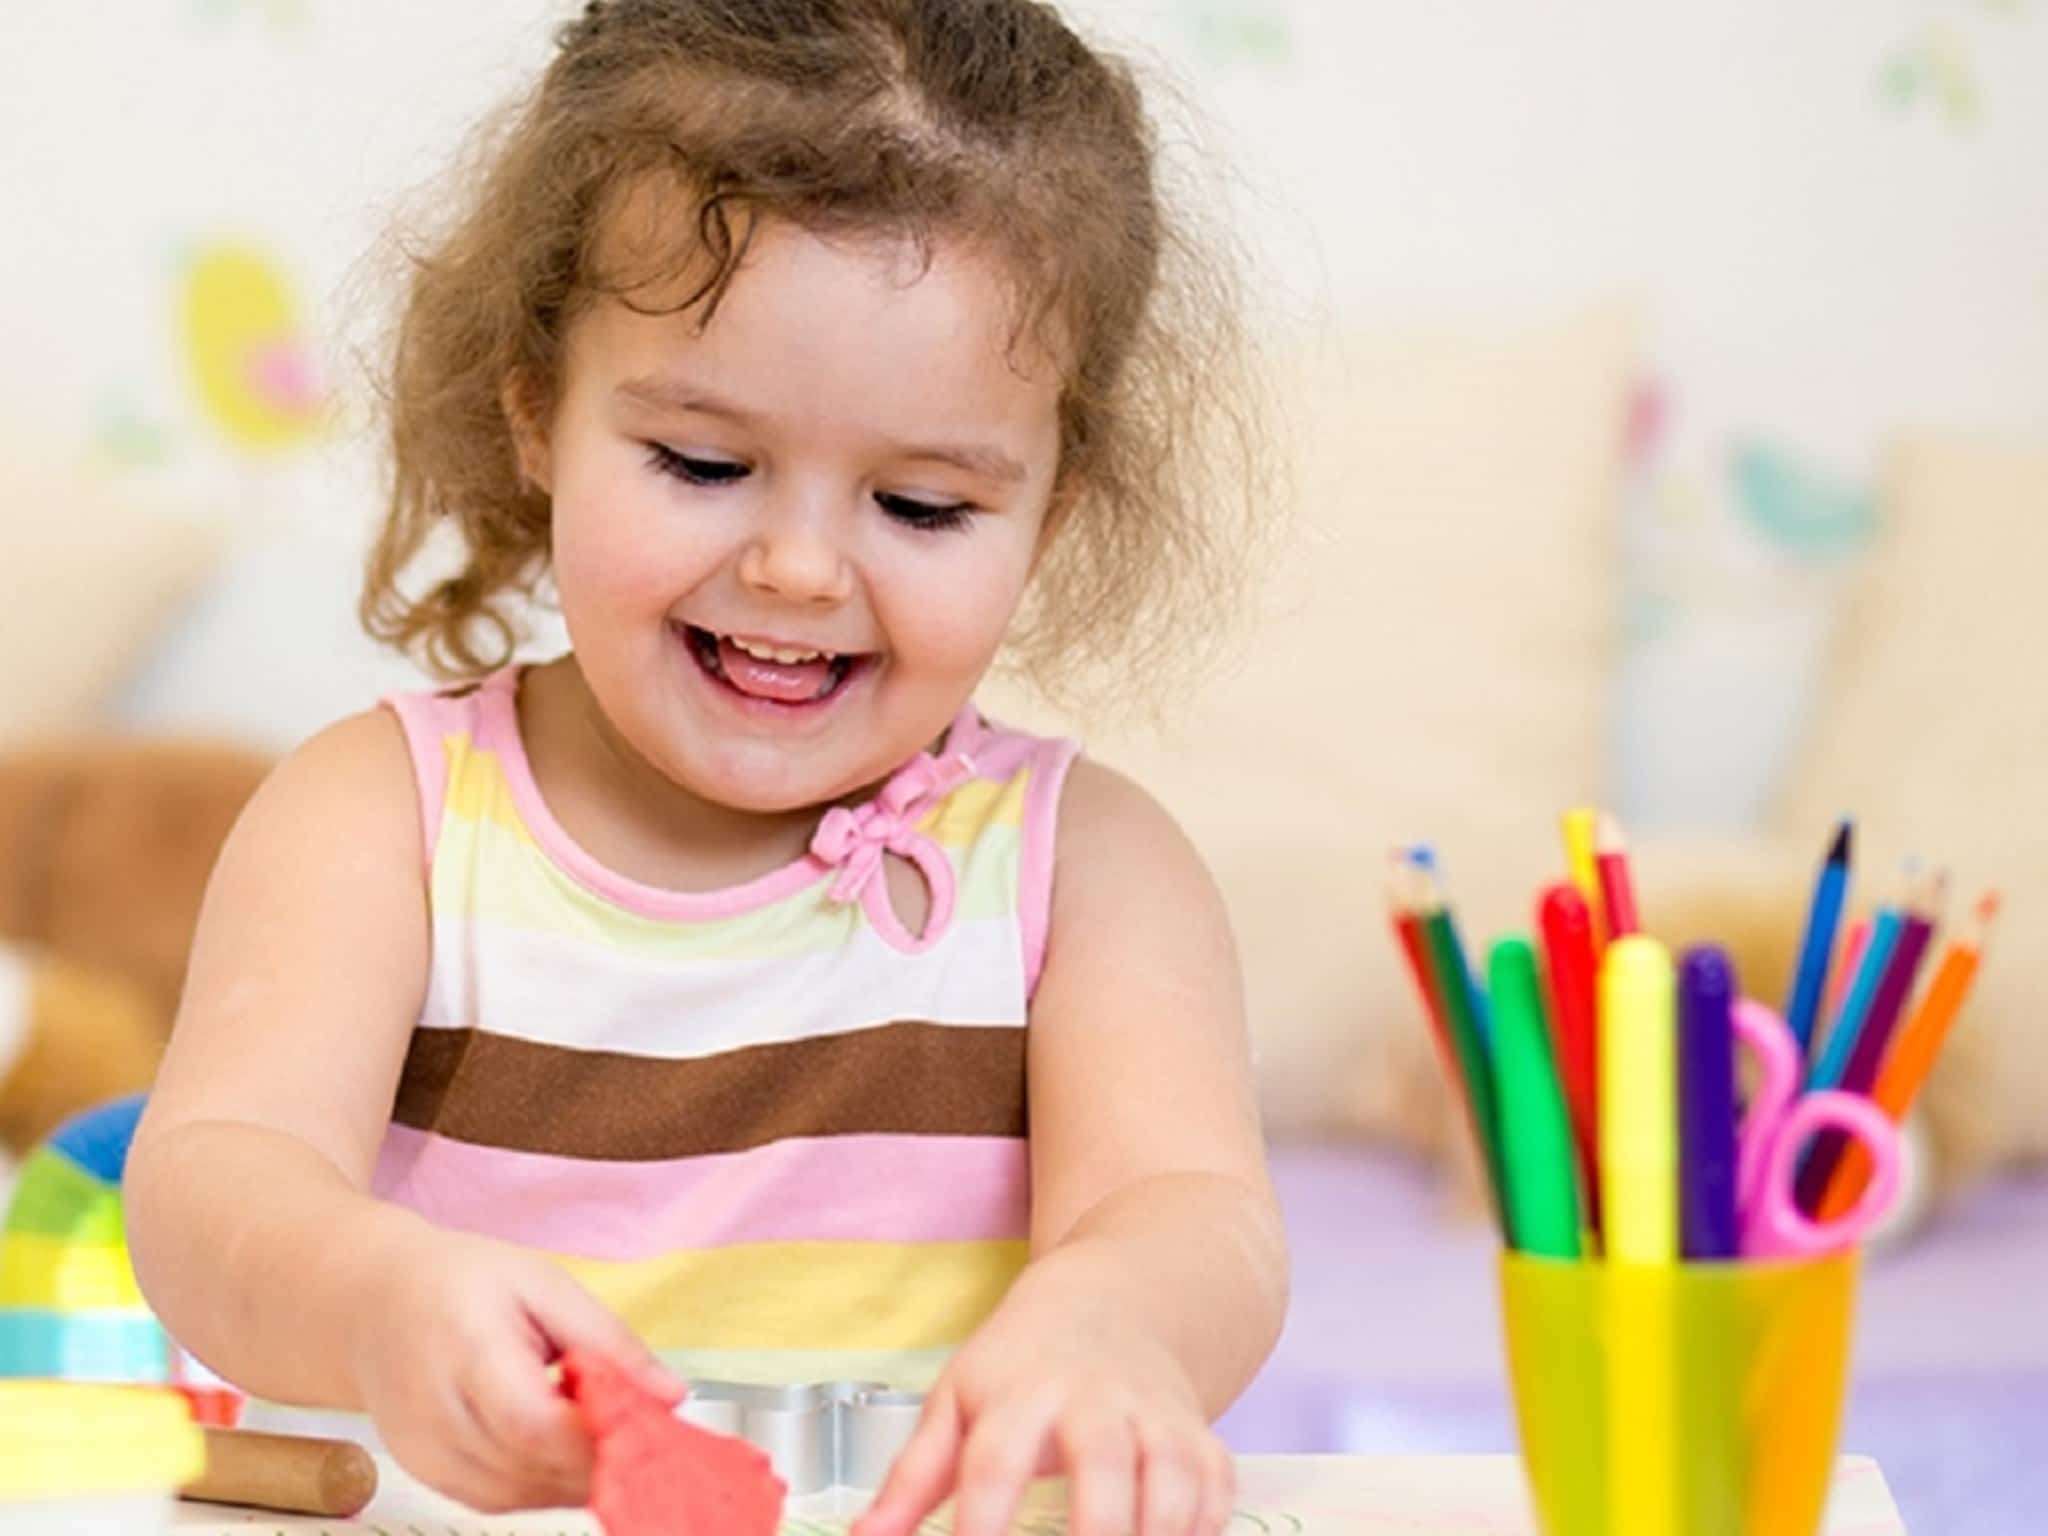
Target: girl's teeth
(776, 653)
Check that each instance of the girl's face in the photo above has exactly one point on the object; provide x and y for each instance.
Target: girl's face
(788, 545)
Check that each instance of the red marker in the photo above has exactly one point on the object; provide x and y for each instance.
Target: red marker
(1617, 886)
(1571, 969)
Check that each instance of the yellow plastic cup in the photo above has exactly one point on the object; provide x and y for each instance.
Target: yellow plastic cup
(1680, 1399)
(79, 1460)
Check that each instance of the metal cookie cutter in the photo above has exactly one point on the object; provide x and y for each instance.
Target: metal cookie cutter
(817, 1435)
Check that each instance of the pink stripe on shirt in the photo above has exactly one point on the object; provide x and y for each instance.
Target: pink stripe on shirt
(878, 1188)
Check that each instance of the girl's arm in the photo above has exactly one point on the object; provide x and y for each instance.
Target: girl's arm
(253, 1232)
(1159, 1270)
(1152, 1207)
(247, 1212)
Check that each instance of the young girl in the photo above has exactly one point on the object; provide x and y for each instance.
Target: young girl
(727, 995)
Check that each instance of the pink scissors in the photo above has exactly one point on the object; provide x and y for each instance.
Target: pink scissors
(1779, 1125)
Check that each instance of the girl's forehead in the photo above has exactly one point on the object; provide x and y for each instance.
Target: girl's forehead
(829, 332)
(650, 257)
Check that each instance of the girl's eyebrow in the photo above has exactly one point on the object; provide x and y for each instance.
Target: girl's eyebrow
(680, 395)
(671, 394)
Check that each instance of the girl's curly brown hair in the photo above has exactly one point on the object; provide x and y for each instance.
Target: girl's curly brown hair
(985, 120)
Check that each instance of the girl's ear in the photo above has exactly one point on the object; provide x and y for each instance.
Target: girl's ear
(521, 404)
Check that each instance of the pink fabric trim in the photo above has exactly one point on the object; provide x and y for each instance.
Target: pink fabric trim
(866, 1188)
(490, 714)
(497, 731)
(1050, 761)
(428, 719)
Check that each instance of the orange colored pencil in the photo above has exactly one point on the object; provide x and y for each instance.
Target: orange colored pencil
(1912, 1055)
(1617, 885)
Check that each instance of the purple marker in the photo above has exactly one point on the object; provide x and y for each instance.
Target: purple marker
(1706, 1104)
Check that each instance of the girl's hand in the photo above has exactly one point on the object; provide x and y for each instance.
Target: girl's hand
(1108, 1407)
(451, 1355)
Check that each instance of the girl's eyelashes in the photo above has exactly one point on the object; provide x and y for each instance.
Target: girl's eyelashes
(694, 468)
(931, 515)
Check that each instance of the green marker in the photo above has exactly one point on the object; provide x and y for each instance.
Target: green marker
(1535, 1132)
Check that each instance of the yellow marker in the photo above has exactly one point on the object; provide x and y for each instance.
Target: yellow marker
(1639, 1102)
(1639, 1214)
(1581, 825)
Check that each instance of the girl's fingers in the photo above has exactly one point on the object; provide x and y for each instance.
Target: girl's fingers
(569, 1317)
(1219, 1486)
(923, 1472)
(1100, 1450)
(1171, 1482)
(1002, 1452)
(528, 1428)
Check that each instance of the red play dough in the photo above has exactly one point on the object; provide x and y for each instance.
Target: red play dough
(657, 1476)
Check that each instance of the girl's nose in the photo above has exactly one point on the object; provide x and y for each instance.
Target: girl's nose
(793, 556)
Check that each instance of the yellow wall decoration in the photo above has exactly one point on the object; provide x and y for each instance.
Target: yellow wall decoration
(246, 350)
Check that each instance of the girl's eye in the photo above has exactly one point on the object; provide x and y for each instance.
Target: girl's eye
(696, 470)
(933, 515)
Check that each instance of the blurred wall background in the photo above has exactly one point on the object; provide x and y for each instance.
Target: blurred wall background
(1833, 216)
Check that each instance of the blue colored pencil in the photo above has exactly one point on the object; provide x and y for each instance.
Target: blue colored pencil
(1817, 949)
(1827, 1071)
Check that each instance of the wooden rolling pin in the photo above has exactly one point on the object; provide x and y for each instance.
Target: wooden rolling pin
(291, 1473)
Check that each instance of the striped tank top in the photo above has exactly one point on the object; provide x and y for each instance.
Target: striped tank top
(779, 1133)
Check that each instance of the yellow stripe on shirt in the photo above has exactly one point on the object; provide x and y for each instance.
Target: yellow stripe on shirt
(839, 1296)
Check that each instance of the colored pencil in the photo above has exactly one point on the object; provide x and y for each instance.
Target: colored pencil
(1832, 1059)
(1922, 911)
(1854, 943)
(1823, 918)
(1423, 857)
(1537, 1158)
(1912, 1055)
(1617, 885)
(1579, 827)
(1923, 914)
(1452, 977)
(1706, 1104)
(1571, 970)
(1406, 890)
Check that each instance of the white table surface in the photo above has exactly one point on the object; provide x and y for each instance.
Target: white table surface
(1277, 1496)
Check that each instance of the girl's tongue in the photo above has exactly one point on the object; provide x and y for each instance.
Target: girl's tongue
(786, 682)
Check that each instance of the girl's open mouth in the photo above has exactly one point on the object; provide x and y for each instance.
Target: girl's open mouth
(773, 674)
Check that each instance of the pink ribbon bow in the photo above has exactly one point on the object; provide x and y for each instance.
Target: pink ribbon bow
(853, 839)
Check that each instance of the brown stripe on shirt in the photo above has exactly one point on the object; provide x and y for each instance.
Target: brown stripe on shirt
(906, 1078)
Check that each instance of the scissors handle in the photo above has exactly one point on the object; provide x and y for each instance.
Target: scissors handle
(1773, 1224)
(1760, 1031)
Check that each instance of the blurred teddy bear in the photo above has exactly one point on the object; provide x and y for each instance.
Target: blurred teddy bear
(105, 849)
